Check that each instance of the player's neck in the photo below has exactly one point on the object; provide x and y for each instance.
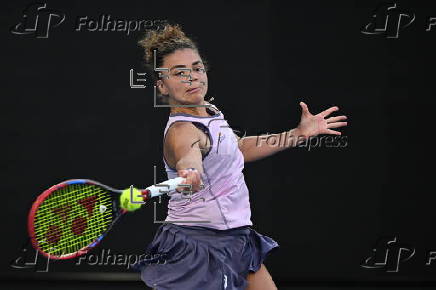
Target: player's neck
(195, 111)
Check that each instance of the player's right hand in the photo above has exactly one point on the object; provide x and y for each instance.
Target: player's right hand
(192, 177)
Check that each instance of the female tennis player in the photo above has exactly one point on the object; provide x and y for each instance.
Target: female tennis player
(208, 242)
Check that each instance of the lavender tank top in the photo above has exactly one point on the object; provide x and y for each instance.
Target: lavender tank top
(224, 201)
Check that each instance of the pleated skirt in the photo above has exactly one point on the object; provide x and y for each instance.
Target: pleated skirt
(199, 258)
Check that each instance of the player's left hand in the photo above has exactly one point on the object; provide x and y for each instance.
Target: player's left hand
(312, 125)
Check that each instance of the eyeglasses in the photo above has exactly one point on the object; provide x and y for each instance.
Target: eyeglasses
(184, 74)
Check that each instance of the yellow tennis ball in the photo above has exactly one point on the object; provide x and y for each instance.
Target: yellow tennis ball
(127, 196)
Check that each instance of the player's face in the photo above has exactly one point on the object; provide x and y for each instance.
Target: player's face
(186, 83)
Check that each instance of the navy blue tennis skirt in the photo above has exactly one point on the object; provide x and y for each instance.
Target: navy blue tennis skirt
(193, 257)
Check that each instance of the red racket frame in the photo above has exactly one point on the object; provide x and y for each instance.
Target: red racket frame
(43, 196)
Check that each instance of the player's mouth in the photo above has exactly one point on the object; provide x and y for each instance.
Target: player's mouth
(193, 90)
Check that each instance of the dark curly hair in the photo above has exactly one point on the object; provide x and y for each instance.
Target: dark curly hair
(165, 41)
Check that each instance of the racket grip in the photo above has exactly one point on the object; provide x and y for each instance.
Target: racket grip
(165, 187)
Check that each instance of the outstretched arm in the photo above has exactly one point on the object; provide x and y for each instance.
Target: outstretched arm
(257, 147)
(182, 151)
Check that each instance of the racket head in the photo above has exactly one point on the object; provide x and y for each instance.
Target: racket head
(72, 217)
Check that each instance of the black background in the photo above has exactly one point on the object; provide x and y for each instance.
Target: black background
(67, 111)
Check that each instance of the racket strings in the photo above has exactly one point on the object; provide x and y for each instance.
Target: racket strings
(71, 218)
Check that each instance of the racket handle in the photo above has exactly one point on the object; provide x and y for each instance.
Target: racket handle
(164, 187)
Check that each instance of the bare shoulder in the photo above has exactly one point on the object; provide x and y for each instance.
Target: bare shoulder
(181, 138)
(181, 132)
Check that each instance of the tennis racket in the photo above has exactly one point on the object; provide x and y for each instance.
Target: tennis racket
(72, 217)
